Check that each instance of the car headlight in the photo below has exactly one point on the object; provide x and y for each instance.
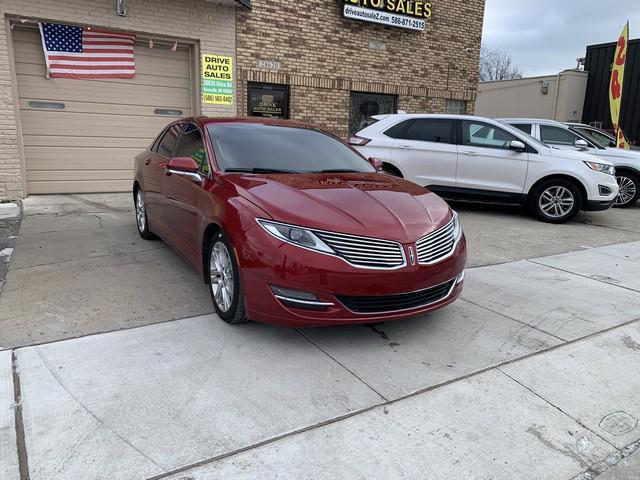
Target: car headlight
(457, 228)
(295, 235)
(601, 167)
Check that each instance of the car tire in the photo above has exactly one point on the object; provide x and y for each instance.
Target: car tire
(629, 184)
(556, 201)
(142, 219)
(224, 281)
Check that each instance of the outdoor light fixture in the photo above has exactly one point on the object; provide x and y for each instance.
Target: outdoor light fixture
(121, 7)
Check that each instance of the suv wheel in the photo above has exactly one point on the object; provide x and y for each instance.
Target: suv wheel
(629, 190)
(557, 201)
(224, 281)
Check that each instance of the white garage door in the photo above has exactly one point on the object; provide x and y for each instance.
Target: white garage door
(82, 135)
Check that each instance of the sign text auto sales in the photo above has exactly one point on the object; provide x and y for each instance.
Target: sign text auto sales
(409, 14)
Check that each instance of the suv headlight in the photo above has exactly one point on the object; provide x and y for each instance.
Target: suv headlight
(300, 236)
(457, 228)
(601, 167)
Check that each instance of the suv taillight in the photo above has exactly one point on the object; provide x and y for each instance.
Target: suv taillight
(358, 141)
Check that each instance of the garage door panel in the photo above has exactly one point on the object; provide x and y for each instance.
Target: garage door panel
(67, 89)
(111, 109)
(156, 74)
(79, 158)
(84, 186)
(90, 145)
(91, 142)
(88, 125)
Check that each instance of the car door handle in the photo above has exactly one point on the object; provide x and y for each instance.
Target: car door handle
(405, 147)
(471, 154)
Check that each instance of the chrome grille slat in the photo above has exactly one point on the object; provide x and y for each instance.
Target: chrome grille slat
(365, 252)
(436, 245)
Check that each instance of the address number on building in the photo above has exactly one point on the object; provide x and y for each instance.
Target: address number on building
(384, 18)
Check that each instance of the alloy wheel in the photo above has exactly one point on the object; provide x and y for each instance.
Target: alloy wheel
(556, 201)
(627, 192)
(222, 281)
(141, 216)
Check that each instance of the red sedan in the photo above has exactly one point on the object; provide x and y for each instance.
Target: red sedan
(290, 226)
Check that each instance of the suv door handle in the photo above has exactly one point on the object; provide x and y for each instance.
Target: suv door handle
(405, 147)
(471, 154)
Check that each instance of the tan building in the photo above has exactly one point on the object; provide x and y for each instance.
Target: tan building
(321, 61)
(553, 97)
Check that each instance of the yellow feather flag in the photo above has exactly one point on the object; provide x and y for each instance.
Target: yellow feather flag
(616, 85)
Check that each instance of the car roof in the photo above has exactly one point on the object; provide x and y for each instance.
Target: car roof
(541, 121)
(446, 116)
(202, 121)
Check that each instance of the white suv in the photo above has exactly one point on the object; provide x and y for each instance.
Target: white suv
(478, 158)
(583, 138)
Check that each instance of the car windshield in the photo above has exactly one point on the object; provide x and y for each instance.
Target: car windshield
(259, 148)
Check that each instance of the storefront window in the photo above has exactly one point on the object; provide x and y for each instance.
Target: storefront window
(456, 107)
(365, 105)
(266, 100)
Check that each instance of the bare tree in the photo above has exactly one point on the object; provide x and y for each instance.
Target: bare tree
(497, 65)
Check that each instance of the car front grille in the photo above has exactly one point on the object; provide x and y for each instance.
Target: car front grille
(437, 245)
(365, 251)
(395, 303)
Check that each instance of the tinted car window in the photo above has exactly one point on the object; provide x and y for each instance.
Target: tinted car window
(557, 136)
(168, 142)
(288, 149)
(600, 138)
(191, 145)
(525, 127)
(478, 134)
(431, 130)
(399, 130)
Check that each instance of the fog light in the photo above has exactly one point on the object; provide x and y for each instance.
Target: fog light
(299, 299)
(604, 190)
(460, 278)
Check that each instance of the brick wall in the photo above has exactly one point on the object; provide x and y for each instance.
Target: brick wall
(210, 24)
(324, 56)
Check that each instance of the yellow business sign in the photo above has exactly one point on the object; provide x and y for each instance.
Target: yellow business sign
(217, 79)
(617, 83)
(410, 14)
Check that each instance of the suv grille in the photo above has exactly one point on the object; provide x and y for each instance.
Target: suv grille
(436, 245)
(394, 303)
(364, 251)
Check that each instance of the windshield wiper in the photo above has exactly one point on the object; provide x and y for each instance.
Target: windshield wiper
(256, 170)
(340, 170)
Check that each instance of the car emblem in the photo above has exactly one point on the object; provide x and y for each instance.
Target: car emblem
(412, 256)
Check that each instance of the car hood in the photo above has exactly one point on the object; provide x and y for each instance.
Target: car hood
(619, 153)
(367, 204)
(577, 155)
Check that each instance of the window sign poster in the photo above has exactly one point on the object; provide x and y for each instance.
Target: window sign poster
(268, 100)
(217, 79)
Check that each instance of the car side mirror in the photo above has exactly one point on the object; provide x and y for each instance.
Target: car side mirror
(612, 144)
(376, 163)
(581, 144)
(185, 167)
(517, 145)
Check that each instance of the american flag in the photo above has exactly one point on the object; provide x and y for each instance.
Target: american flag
(84, 52)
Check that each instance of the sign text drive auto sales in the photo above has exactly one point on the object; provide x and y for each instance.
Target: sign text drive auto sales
(413, 8)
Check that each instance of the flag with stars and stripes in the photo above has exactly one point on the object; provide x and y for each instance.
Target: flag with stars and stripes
(86, 52)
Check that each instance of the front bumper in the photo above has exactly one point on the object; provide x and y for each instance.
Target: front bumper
(598, 205)
(268, 262)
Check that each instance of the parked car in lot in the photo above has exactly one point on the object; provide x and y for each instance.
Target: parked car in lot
(291, 226)
(586, 139)
(478, 158)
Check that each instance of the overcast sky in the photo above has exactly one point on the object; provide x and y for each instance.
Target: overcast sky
(546, 36)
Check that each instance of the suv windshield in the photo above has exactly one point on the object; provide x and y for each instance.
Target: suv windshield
(259, 148)
(599, 138)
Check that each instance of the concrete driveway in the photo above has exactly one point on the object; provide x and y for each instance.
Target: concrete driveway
(114, 366)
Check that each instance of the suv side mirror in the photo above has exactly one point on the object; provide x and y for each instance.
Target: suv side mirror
(612, 144)
(376, 163)
(581, 144)
(517, 145)
(184, 166)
